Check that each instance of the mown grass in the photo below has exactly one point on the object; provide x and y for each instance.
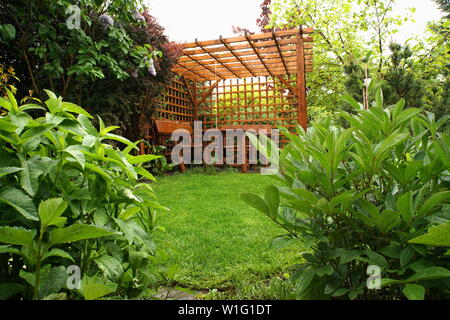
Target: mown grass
(222, 245)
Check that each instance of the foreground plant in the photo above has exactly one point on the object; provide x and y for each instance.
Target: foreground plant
(357, 197)
(67, 197)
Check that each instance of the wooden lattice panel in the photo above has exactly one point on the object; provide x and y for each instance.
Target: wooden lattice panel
(252, 101)
(176, 104)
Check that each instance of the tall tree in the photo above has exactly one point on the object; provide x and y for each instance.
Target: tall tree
(444, 5)
(335, 44)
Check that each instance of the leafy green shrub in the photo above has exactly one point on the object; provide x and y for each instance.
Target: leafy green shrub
(356, 198)
(161, 165)
(67, 197)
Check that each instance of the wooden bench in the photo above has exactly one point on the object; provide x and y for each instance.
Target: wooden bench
(165, 128)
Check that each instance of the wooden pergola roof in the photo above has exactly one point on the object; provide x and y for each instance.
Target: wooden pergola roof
(266, 54)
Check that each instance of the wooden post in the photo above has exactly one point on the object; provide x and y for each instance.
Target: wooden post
(301, 82)
(195, 102)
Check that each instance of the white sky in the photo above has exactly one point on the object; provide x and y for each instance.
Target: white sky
(208, 19)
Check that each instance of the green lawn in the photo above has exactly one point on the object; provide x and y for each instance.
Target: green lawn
(222, 243)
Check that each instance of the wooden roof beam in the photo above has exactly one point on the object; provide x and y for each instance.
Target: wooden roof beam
(236, 55)
(216, 59)
(254, 62)
(194, 72)
(261, 36)
(277, 44)
(204, 66)
(286, 49)
(257, 53)
(288, 57)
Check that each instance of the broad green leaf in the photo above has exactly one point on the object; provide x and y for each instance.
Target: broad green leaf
(12, 101)
(101, 217)
(78, 232)
(305, 194)
(408, 114)
(99, 171)
(127, 193)
(93, 288)
(71, 107)
(17, 236)
(155, 205)
(348, 255)
(19, 201)
(438, 236)
(405, 256)
(8, 138)
(108, 130)
(428, 273)
(31, 106)
(142, 158)
(144, 173)
(414, 291)
(89, 141)
(50, 212)
(325, 270)
(340, 292)
(434, 201)
(8, 290)
(57, 253)
(378, 259)
(9, 31)
(5, 104)
(7, 126)
(115, 137)
(391, 252)
(111, 267)
(344, 198)
(304, 279)
(256, 202)
(52, 280)
(379, 101)
(389, 143)
(8, 170)
(373, 213)
(405, 206)
(13, 250)
(56, 296)
(87, 125)
(129, 213)
(76, 152)
(29, 175)
(352, 102)
(282, 241)
(353, 295)
(54, 105)
(50, 94)
(272, 197)
(134, 233)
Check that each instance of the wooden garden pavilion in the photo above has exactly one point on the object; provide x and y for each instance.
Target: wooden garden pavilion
(244, 81)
